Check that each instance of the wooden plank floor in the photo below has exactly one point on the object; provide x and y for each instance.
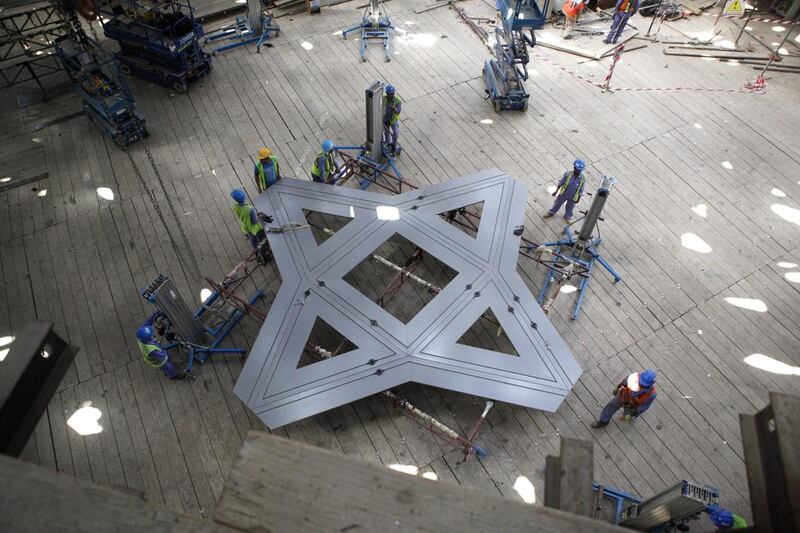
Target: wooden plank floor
(706, 214)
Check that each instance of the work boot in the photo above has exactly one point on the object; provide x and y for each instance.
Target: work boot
(180, 375)
(548, 215)
(598, 424)
(567, 219)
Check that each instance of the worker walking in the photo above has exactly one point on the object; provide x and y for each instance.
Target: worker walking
(152, 351)
(391, 116)
(635, 394)
(624, 10)
(569, 190)
(267, 171)
(571, 10)
(250, 224)
(325, 164)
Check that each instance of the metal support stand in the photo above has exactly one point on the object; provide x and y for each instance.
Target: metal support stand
(576, 254)
(374, 158)
(375, 24)
(243, 33)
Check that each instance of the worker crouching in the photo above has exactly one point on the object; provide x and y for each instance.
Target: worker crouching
(635, 395)
(153, 353)
(325, 167)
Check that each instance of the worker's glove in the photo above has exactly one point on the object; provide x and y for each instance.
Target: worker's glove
(265, 218)
(554, 194)
(626, 418)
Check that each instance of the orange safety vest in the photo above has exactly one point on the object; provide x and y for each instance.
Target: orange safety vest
(626, 392)
(571, 8)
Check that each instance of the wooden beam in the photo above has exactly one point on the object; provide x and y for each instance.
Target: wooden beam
(569, 477)
(38, 499)
(772, 458)
(281, 485)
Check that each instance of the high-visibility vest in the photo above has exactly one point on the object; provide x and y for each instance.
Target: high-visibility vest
(147, 352)
(262, 181)
(395, 101)
(242, 212)
(330, 166)
(626, 6)
(571, 8)
(561, 190)
(632, 394)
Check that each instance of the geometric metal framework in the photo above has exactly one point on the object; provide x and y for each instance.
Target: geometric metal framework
(389, 352)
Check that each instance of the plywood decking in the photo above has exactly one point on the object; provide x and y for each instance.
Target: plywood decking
(78, 260)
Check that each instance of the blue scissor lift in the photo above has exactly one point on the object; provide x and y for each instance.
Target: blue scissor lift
(106, 97)
(159, 41)
(374, 25)
(241, 33)
(505, 74)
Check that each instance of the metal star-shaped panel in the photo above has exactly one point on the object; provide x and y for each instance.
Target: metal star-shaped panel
(389, 352)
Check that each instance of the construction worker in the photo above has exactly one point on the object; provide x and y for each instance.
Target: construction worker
(569, 190)
(152, 351)
(724, 519)
(267, 171)
(635, 394)
(624, 10)
(250, 224)
(572, 10)
(391, 117)
(325, 164)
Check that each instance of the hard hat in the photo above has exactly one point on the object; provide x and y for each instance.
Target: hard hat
(647, 378)
(238, 195)
(264, 153)
(721, 518)
(327, 145)
(144, 333)
(390, 89)
(579, 164)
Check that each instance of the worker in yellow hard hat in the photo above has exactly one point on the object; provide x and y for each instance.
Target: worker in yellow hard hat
(267, 171)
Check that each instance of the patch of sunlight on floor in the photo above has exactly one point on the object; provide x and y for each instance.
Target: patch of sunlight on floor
(694, 243)
(786, 264)
(751, 304)
(768, 364)
(525, 489)
(84, 420)
(406, 469)
(568, 289)
(700, 210)
(789, 214)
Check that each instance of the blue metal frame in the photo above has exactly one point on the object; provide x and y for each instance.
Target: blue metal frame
(621, 500)
(373, 26)
(572, 253)
(241, 32)
(379, 166)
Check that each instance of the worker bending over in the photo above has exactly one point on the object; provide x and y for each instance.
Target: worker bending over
(391, 116)
(569, 190)
(250, 224)
(152, 351)
(325, 166)
(624, 10)
(267, 171)
(635, 395)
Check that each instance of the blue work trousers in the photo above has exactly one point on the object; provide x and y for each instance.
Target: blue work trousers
(612, 407)
(255, 240)
(169, 370)
(560, 199)
(391, 133)
(620, 21)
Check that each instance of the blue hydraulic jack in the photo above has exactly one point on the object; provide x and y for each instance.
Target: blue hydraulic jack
(241, 32)
(374, 158)
(575, 254)
(375, 24)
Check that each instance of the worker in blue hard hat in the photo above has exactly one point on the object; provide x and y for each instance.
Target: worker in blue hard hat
(635, 395)
(569, 190)
(152, 351)
(250, 224)
(267, 171)
(391, 117)
(724, 519)
(325, 166)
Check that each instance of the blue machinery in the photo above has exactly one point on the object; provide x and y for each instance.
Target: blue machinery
(374, 157)
(242, 33)
(665, 512)
(574, 255)
(159, 41)
(216, 317)
(107, 99)
(505, 74)
(374, 25)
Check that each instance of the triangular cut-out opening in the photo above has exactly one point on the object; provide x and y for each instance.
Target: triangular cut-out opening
(466, 218)
(324, 342)
(324, 225)
(487, 333)
(401, 277)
